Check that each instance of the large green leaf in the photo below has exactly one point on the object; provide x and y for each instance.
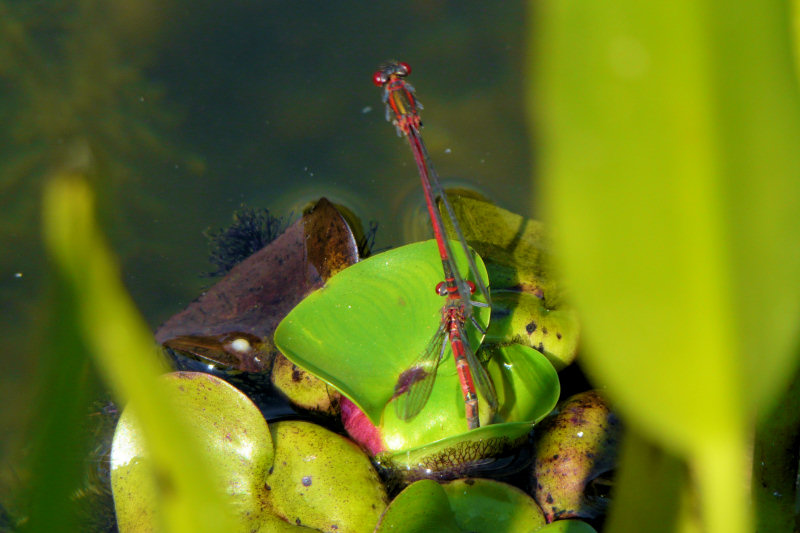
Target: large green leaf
(371, 321)
(670, 163)
(443, 415)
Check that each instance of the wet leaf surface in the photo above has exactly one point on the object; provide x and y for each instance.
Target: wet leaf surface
(485, 505)
(527, 390)
(567, 526)
(422, 506)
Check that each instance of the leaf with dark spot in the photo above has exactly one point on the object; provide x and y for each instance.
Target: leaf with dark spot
(575, 448)
(527, 296)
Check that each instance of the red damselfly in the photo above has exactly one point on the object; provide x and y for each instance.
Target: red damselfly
(415, 384)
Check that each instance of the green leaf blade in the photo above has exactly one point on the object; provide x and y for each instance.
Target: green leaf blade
(670, 165)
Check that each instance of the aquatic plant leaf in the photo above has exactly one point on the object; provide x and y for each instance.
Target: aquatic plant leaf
(229, 427)
(515, 249)
(303, 389)
(670, 181)
(527, 384)
(370, 322)
(258, 292)
(524, 318)
(282, 478)
(527, 296)
(443, 416)
(421, 507)
(662, 498)
(573, 448)
(66, 383)
(458, 454)
(121, 345)
(527, 388)
(437, 444)
(475, 505)
(322, 480)
(485, 505)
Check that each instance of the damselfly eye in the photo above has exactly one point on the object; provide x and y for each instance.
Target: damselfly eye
(379, 78)
(441, 288)
(403, 69)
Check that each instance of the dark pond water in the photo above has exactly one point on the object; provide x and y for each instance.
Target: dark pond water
(186, 110)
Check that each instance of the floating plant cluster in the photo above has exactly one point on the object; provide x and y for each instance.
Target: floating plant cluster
(331, 343)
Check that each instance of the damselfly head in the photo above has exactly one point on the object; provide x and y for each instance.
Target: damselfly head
(403, 69)
(441, 288)
(390, 68)
(380, 78)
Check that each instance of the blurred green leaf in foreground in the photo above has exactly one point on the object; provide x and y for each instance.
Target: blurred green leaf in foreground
(105, 322)
(669, 135)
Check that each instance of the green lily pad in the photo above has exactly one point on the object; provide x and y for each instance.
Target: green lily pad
(475, 505)
(322, 480)
(423, 506)
(310, 477)
(226, 422)
(527, 389)
(485, 505)
(371, 321)
(443, 415)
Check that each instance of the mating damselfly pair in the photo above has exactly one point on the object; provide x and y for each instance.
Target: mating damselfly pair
(414, 384)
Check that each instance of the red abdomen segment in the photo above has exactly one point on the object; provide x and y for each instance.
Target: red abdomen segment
(464, 375)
